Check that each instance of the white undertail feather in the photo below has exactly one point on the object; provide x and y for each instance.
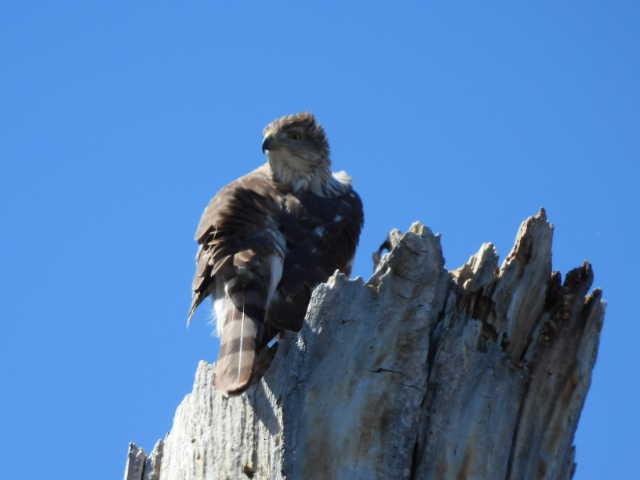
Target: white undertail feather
(220, 311)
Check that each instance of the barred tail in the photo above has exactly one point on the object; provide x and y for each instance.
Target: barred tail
(238, 343)
(242, 296)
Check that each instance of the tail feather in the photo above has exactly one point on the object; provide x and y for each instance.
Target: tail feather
(242, 297)
(237, 357)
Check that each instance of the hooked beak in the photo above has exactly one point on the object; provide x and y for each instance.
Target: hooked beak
(267, 143)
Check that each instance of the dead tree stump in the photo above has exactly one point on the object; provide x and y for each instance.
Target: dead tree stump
(418, 373)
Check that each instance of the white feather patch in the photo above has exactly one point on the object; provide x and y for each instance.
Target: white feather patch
(220, 309)
(319, 231)
(342, 177)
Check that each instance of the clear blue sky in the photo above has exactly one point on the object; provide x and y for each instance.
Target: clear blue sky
(120, 119)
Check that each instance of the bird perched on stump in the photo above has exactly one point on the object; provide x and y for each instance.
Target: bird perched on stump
(267, 239)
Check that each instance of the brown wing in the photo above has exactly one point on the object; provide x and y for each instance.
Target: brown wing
(240, 217)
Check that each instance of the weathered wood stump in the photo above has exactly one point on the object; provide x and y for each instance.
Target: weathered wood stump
(418, 373)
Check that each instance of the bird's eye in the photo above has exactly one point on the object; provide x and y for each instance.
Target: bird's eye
(295, 136)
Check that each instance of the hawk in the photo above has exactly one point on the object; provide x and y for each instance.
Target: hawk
(267, 239)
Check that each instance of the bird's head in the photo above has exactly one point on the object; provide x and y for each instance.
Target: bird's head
(297, 148)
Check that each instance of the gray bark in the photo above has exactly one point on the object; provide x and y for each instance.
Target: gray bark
(418, 373)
